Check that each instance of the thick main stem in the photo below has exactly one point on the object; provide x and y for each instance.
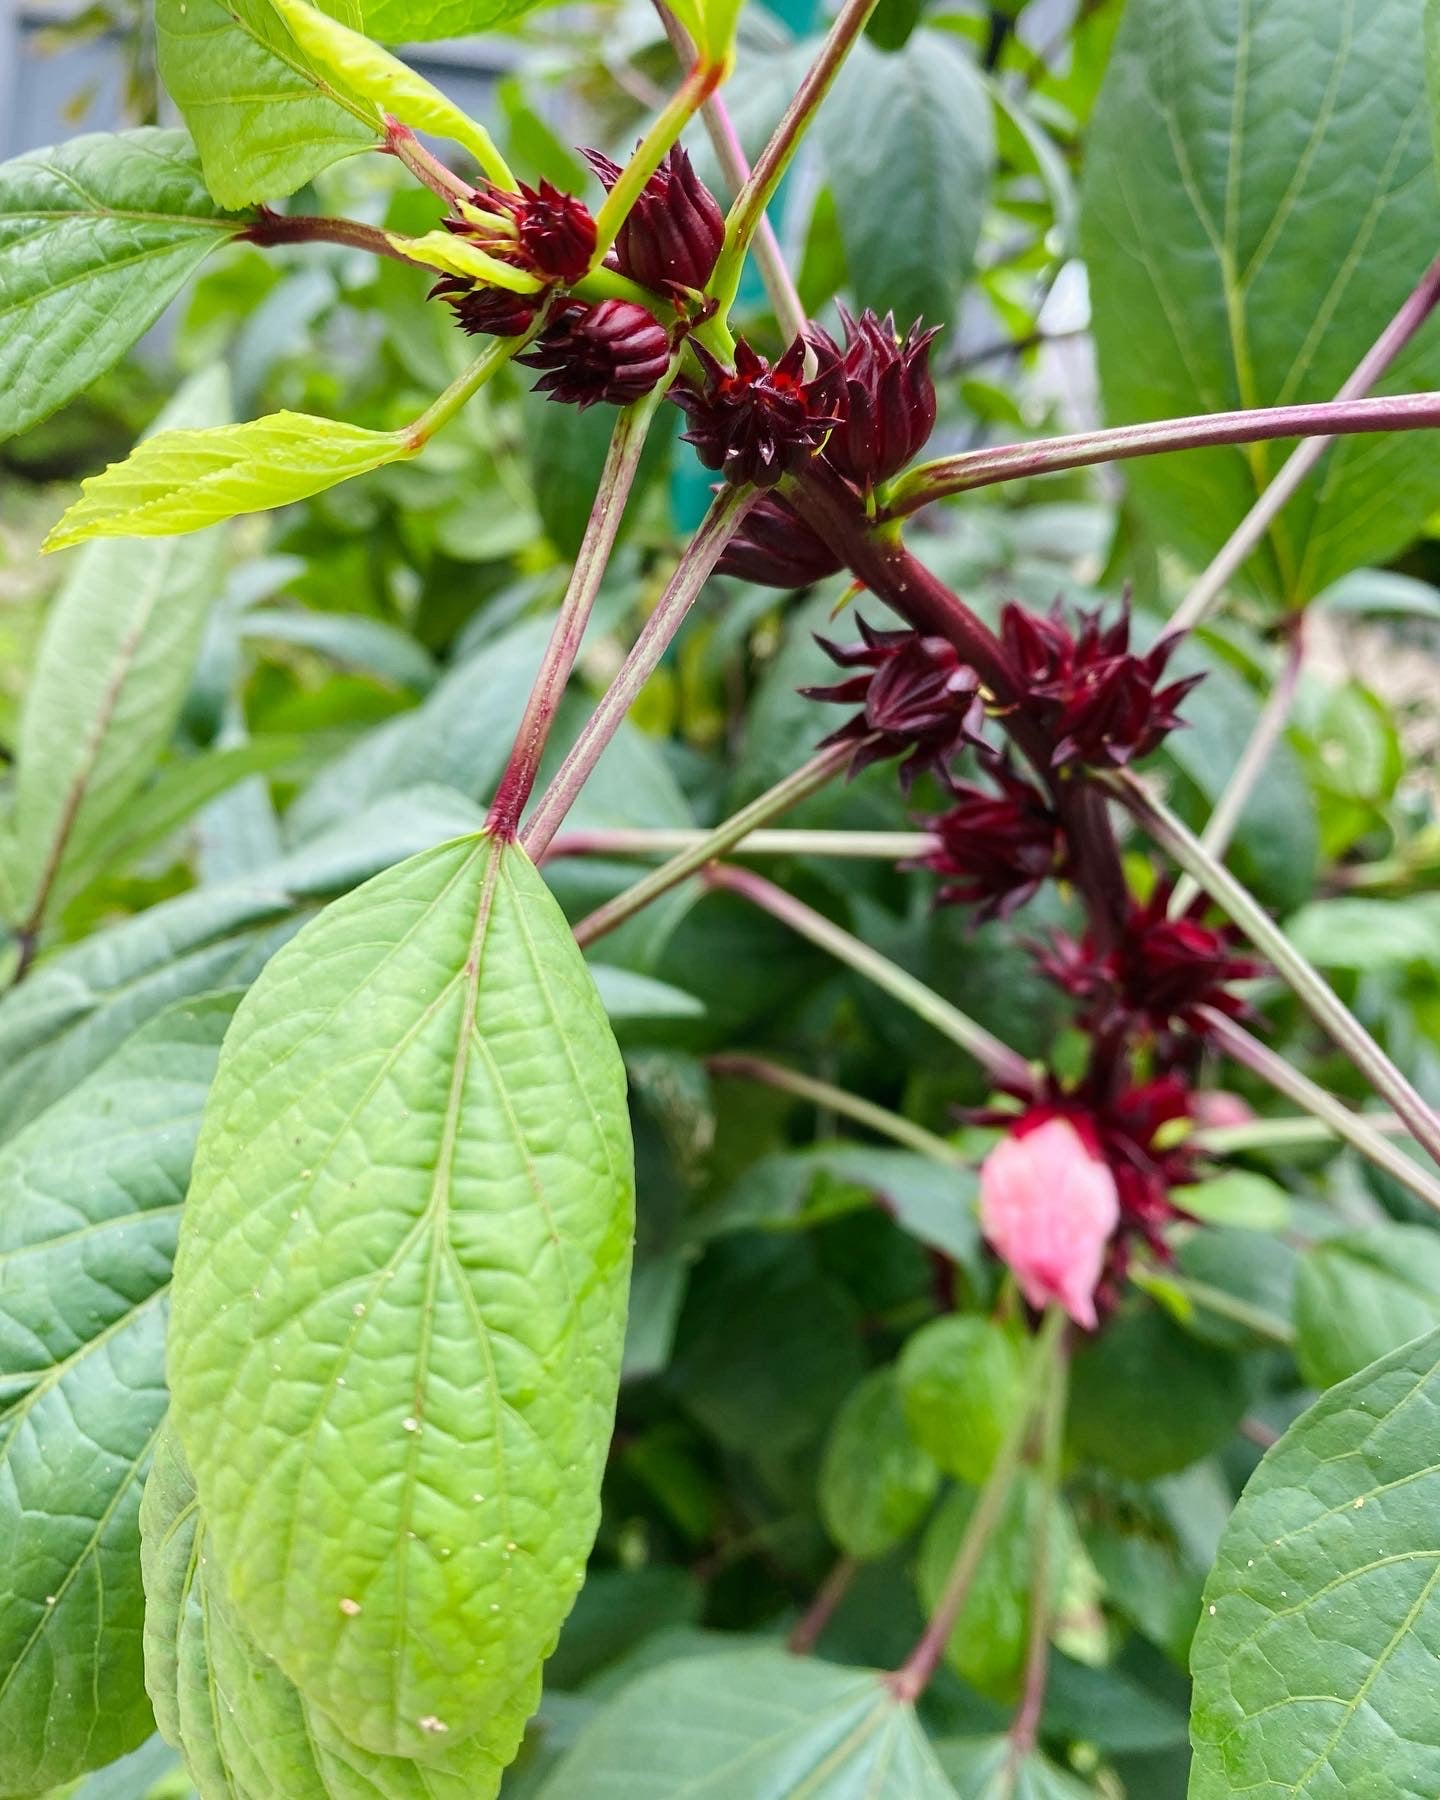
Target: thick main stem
(1015, 462)
(1361, 1133)
(1251, 530)
(626, 444)
(701, 555)
(1314, 993)
(774, 159)
(913, 1677)
(1006, 1067)
(1221, 826)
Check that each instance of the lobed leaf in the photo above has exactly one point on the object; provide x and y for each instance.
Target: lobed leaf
(1314, 1661)
(96, 237)
(399, 1301)
(178, 481)
(90, 1197)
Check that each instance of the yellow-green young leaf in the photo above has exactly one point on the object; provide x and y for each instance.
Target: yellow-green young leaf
(245, 1731)
(362, 67)
(439, 250)
(264, 119)
(400, 1294)
(180, 480)
(961, 1380)
(875, 1481)
(115, 660)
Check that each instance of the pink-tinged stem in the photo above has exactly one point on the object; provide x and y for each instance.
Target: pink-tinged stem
(702, 553)
(644, 840)
(1254, 759)
(285, 228)
(1362, 1133)
(803, 1639)
(1025, 1730)
(401, 142)
(913, 1676)
(756, 193)
(1006, 1067)
(1310, 987)
(1014, 462)
(730, 155)
(626, 444)
(1248, 534)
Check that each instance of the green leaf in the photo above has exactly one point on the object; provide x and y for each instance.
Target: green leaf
(987, 1769)
(876, 1483)
(400, 1292)
(96, 237)
(1241, 1198)
(360, 67)
(349, 639)
(245, 1730)
(1314, 1661)
(1366, 935)
(180, 480)
(626, 995)
(961, 1380)
(752, 1725)
(120, 644)
(1432, 68)
(1258, 202)
(400, 21)
(924, 114)
(90, 1199)
(264, 119)
(1147, 1400)
(79, 1006)
(1381, 593)
(1360, 1296)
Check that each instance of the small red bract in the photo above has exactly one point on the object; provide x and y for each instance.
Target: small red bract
(756, 422)
(616, 351)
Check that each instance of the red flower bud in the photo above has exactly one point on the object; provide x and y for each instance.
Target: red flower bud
(672, 235)
(540, 229)
(493, 311)
(1102, 704)
(917, 700)
(996, 850)
(890, 399)
(776, 548)
(615, 351)
(758, 423)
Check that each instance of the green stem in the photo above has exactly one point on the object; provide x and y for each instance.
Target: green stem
(1284, 1134)
(444, 407)
(753, 198)
(702, 553)
(1005, 1066)
(643, 840)
(823, 1094)
(649, 154)
(1279, 1332)
(1314, 993)
(1352, 1128)
(1025, 1730)
(914, 1675)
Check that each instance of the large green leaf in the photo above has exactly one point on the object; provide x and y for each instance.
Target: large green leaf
(96, 236)
(752, 1725)
(400, 1294)
(1362, 1295)
(246, 1732)
(922, 115)
(181, 480)
(120, 645)
(962, 1379)
(993, 1769)
(1258, 202)
(265, 120)
(80, 1005)
(89, 1209)
(1314, 1661)
(876, 1483)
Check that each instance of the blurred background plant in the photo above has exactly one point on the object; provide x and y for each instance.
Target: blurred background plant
(358, 673)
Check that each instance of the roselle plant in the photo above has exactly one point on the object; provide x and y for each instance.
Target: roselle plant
(356, 1155)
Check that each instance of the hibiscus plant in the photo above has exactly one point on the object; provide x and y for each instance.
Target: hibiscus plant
(912, 989)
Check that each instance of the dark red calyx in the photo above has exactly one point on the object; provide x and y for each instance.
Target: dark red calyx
(616, 351)
(916, 700)
(673, 234)
(776, 548)
(997, 847)
(756, 423)
(889, 398)
(488, 311)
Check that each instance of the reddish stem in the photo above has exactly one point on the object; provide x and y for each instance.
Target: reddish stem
(304, 228)
(803, 1639)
